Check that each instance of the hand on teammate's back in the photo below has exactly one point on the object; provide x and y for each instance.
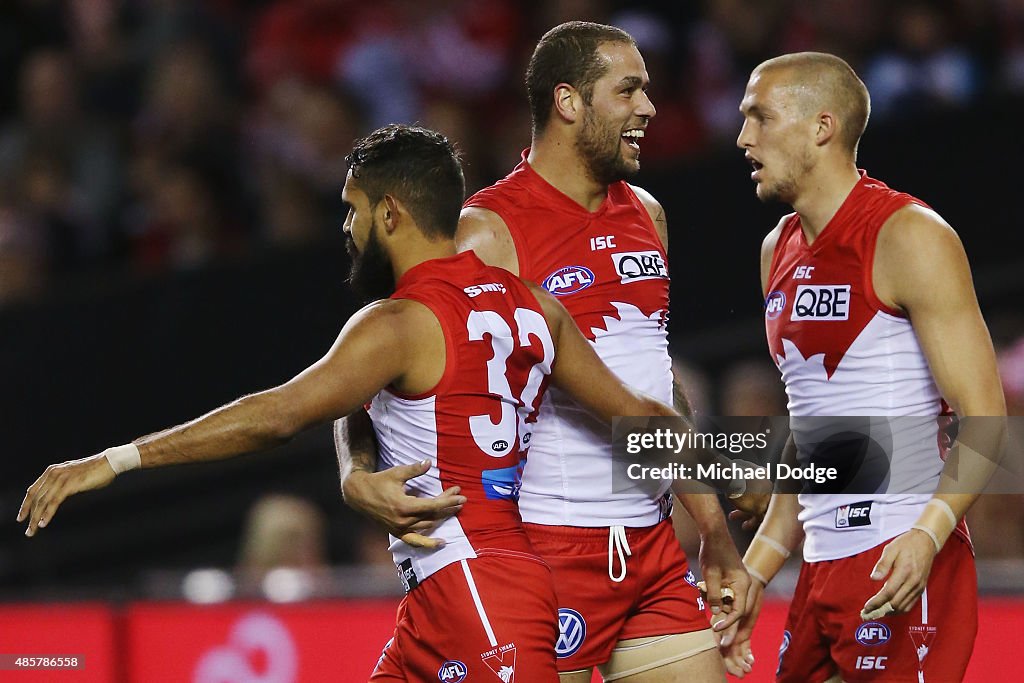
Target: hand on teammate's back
(382, 497)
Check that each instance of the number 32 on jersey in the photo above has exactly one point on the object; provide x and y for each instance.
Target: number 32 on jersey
(497, 440)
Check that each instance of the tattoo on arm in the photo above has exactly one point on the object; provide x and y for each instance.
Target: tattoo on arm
(355, 444)
(679, 399)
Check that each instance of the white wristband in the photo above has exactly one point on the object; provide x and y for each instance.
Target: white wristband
(944, 506)
(123, 458)
(931, 534)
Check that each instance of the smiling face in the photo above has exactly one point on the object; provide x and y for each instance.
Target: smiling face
(613, 123)
(371, 275)
(778, 134)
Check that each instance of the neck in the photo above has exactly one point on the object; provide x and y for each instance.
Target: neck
(822, 195)
(422, 249)
(555, 159)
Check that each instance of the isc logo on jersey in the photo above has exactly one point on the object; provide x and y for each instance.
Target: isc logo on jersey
(569, 280)
(854, 514)
(452, 671)
(634, 266)
(821, 302)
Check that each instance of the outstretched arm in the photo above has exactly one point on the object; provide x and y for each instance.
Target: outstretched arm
(370, 353)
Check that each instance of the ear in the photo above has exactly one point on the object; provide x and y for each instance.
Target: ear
(826, 128)
(568, 102)
(388, 212)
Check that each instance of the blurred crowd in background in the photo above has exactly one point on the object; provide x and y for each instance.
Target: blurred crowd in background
(162, 134)
(140, 137)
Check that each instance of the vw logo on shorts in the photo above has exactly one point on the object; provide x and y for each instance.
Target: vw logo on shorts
(572, 631)
(786, 638)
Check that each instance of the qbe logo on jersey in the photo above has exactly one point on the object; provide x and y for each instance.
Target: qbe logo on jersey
(634, 266)
(821, 302)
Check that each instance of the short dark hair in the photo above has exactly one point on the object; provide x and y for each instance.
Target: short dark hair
(568, 54)
(417, 166)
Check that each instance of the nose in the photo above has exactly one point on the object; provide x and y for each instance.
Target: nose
(744, 140)
(646, 107)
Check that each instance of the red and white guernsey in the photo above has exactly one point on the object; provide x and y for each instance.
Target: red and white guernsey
(609, 269)
(842, 351)
(475, 425)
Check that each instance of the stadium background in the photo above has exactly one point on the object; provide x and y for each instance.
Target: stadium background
(170, 238)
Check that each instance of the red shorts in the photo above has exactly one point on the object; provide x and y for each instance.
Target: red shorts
(656, 597)
(931, 643)
(480, 619)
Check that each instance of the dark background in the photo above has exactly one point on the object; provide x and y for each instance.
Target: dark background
(123, 333)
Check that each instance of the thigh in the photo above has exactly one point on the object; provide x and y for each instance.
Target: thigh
(669, 601)
(591, 607)
(706, 666)
(462, 622)
(681, 656)
(804, 655)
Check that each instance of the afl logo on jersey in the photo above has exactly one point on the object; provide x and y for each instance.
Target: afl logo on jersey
(873, 633)
(774, 305)
(452, 671)
(572, 631)
(569, 280)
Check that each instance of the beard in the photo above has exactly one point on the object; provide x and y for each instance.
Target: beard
(371, 275)
(784, 190)
(600, 146)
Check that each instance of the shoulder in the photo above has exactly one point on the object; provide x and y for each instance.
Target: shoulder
(391, 321)
(915, 227)
(654, 210)
(653, 206)
(486, 233)
(768, 244)
(771, 240)
(918, 252)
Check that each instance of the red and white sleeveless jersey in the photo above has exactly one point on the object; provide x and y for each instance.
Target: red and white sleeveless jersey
(610, 270)
(475, 425)
(842, 352)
